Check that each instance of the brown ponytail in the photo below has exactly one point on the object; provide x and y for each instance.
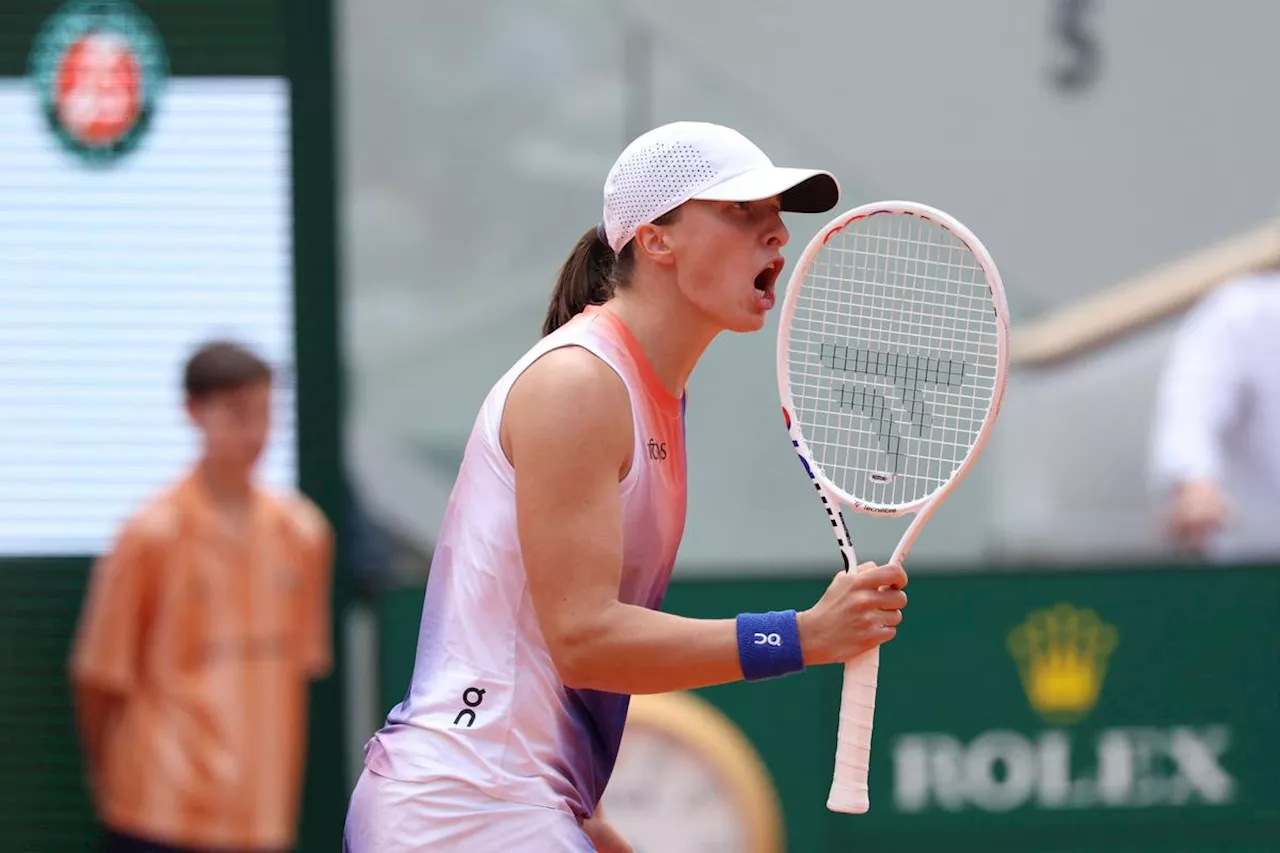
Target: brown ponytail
(586, 278)
(591, 274)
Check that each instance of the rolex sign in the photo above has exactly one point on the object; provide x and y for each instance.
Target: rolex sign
(1002, 770)
(1061, 655)
(1076, 704)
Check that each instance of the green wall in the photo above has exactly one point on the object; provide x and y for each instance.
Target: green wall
(43, 803)
(1183, 735)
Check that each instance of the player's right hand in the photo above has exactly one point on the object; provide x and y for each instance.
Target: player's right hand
(859, 611)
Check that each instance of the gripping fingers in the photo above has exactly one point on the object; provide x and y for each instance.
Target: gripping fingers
(879, 577)
(891, 599)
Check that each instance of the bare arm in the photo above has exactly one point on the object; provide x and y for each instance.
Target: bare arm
(568, 431)
(569, 434)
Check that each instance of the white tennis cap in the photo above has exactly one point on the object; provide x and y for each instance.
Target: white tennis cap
(662, 169)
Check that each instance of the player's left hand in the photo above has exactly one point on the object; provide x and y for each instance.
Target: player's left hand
(604, 835)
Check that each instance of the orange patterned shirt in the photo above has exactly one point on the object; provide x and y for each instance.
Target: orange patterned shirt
(210, 639)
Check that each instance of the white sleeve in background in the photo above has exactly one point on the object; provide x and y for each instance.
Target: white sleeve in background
(1199, 391)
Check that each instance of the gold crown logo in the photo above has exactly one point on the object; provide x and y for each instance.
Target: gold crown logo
(1062, 653)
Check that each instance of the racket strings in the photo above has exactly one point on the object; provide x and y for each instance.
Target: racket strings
(893, 356)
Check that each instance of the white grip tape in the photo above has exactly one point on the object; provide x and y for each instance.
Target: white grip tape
(853, 741)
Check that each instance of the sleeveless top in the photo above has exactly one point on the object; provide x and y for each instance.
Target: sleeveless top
(485, 704)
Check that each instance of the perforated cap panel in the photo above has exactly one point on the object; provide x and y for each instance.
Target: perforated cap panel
(654, 180)
(671, 164)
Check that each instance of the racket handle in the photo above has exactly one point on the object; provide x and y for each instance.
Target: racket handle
(849, 793)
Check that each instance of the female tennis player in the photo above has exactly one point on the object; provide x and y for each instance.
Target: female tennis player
(541, 612)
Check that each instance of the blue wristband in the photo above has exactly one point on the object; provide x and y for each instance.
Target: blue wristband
(769, 644)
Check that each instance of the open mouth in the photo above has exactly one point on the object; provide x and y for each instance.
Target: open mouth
(768, 276)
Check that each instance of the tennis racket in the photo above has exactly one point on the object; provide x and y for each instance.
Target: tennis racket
(892, 357)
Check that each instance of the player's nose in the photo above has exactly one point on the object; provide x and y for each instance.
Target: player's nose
(776, 233)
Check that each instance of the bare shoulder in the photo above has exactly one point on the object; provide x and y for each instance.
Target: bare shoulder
(568, 400)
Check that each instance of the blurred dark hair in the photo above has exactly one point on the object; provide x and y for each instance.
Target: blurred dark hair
(591, 274)
(222, 366)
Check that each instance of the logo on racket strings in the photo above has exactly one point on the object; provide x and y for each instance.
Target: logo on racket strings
(909, 374)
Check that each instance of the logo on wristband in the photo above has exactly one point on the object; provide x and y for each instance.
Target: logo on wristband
(769, 644)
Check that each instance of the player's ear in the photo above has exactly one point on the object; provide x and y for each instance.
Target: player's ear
(653, 241)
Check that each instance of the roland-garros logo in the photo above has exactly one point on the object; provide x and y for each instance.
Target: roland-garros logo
(98, 67)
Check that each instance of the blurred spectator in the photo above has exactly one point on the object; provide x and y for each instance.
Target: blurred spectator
(1215, 456)
(200, 631)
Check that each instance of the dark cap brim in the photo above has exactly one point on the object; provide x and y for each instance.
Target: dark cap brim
(800, 190)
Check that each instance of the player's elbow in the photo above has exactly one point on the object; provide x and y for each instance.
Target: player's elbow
(580, 653)
(575, 668)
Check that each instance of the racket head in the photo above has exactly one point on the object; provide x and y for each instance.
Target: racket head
(892, 355)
